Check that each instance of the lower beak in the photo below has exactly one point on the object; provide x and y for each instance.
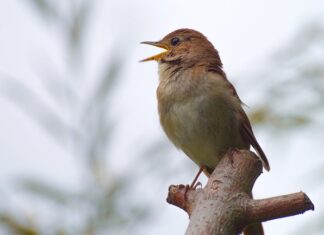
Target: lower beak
(158, 56)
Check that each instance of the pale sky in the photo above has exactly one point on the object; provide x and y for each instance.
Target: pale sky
(245, 33)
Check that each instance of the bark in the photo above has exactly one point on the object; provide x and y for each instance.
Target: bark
(225, 206)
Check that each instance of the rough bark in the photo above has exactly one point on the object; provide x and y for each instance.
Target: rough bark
(224, 206)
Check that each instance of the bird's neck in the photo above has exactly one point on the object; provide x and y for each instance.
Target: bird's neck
(172, 70)
(216, 68)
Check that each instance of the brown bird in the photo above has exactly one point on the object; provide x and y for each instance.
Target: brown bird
(199, 108)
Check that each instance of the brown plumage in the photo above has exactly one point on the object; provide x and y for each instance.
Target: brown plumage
(200, 110)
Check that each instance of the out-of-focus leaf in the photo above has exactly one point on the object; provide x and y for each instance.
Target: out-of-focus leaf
(45, 190)
(103, 204)
(58, 86)
(45, 8)
(17, 227)
(109, 78)
(157, 152)
(264, 115)
(259, 115)
(98, 126)
(311, 34)
(33, 106)
(106, 84)
(295, 88)
(77, 25)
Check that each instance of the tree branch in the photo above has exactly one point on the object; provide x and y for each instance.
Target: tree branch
(278, 207)
(225, 205)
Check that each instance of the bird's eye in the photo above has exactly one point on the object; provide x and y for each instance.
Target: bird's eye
(175, 41)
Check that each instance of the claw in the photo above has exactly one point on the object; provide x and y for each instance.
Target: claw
(197, 185)
(192, 185)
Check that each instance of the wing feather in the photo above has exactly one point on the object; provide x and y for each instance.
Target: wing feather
(248, 136)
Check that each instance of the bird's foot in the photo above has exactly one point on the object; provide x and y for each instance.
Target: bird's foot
(197, 185)
(194, 183)
(193, 186)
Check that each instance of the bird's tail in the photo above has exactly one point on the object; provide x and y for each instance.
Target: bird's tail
(253, 229)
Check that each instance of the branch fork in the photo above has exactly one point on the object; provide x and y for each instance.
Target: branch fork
(225, 205)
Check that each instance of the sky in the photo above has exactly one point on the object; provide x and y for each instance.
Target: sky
(246, 33)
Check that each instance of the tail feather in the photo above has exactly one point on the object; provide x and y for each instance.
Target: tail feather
(247, 134)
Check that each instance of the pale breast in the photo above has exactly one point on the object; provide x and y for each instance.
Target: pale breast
(198, 114)
(204, 129)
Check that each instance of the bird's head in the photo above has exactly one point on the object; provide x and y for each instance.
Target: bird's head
(184, 46)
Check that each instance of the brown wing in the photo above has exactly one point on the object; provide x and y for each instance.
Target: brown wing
(245, 127)
(248, 136)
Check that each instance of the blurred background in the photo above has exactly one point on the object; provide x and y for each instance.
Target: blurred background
(81, 149)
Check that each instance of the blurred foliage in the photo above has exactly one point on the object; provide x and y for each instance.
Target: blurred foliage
(17, 227)
(294, 93)
(296, 73)
(82, 123)
(294, 97)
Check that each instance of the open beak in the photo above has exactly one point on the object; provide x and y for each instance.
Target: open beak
(158, 56)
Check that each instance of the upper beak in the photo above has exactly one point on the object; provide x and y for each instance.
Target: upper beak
(158, 56)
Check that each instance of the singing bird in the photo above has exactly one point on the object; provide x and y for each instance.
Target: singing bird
(200, 110)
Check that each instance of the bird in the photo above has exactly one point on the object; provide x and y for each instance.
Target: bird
(199, 109)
